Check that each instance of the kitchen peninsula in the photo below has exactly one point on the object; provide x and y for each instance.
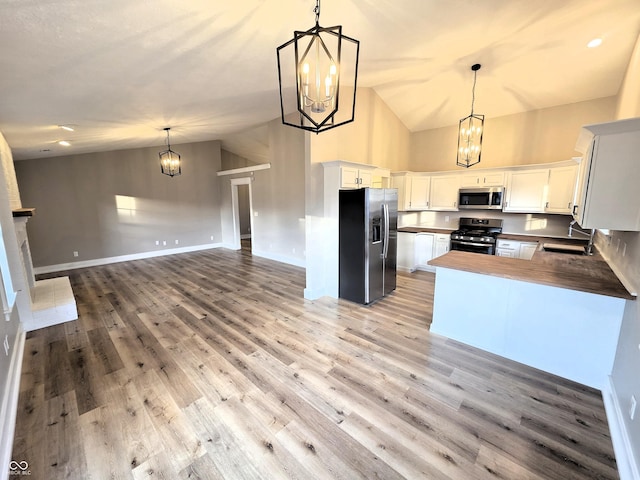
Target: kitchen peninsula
(557, 312)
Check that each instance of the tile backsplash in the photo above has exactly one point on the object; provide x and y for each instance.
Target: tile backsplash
(517, 223)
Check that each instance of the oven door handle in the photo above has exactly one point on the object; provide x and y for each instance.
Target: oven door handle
(472, 244)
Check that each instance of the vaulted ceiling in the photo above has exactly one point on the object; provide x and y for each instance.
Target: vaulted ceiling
(121, 70)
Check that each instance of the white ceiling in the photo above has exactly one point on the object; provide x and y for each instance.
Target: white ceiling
(121, 70)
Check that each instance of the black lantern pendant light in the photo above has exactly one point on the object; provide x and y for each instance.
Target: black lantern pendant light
(325, 62)
(470, 132)
(169, 160)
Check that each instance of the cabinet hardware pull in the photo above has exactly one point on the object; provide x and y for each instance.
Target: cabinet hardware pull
(569, 205)
(546, 205)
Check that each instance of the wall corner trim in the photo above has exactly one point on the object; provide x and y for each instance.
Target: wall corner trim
(628, 469)
(9, 404)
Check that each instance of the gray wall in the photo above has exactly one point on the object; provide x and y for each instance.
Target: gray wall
(278, 198)
(118, 203)
(625, 378)
(278, 195)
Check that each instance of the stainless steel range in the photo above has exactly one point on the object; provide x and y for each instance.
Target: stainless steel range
(477, 235)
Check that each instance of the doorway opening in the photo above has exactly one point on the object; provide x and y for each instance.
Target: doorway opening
(242, 213)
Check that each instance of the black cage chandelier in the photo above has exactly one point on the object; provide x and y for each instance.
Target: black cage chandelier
(470, 132)
(314, 96)
(170, 163)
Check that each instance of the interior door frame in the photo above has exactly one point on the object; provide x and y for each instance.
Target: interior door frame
(235, 210)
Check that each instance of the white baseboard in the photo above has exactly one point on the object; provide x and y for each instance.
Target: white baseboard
(297, 262)
(628, 469)
(9, 408)
(122, 258)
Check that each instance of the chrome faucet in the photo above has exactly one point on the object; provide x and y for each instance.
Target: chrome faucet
(589, 248)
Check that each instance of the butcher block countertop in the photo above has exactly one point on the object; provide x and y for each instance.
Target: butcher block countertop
(584, 273)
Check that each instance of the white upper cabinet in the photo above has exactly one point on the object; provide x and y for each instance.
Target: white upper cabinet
(526, 191)
(483, 179)
(413, 190)
(561, 189)
(444, 192)
(608, 188)
(419, 198)
(351, 177)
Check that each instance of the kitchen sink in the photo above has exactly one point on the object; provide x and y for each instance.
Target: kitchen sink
(561, 248)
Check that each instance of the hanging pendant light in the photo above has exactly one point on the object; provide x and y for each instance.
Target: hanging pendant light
(314, 97)
(169, 160)
(470, 132)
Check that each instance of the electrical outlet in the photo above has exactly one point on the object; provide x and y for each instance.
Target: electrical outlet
(446, 218)
(632, 407)
(157, 242)
(211, 237)
(164, 243)
(177, 242)
(75, 254)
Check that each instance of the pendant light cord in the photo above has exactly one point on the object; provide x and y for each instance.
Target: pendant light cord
(475, 69)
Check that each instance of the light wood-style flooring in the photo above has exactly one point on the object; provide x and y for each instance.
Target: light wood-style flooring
(212, 365)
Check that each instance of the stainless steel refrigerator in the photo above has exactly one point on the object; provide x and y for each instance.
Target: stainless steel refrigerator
(368, 225)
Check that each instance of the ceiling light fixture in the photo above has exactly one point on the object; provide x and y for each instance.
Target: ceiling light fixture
(596, 42)
(170, 163)
(470, 132)
(325, 60)
(68, 128)
(64, 143)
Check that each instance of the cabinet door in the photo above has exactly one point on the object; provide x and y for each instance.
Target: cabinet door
(424, 250)
(349, 177)
(365, 178)
(494, 179)
(484, 179)
(406, 259)
(469, 180)
(403, 184)
(442, 244)
(508, 248)
(561, 189)
(527, 249)
(419, 199)
(526, 191)
(444, 192)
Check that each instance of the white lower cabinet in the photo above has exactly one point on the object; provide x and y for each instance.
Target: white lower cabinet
(441, 245)
(406, 260)
(429, 246)
(527, 249)
(424, 249)
(516, 249)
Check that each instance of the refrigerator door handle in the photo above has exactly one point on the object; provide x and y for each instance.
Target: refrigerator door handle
(385, 249)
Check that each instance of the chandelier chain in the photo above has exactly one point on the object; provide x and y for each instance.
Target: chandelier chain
(473, 90)
(317, 12)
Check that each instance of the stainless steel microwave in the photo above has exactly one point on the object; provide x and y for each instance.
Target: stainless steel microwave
(487, 198)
